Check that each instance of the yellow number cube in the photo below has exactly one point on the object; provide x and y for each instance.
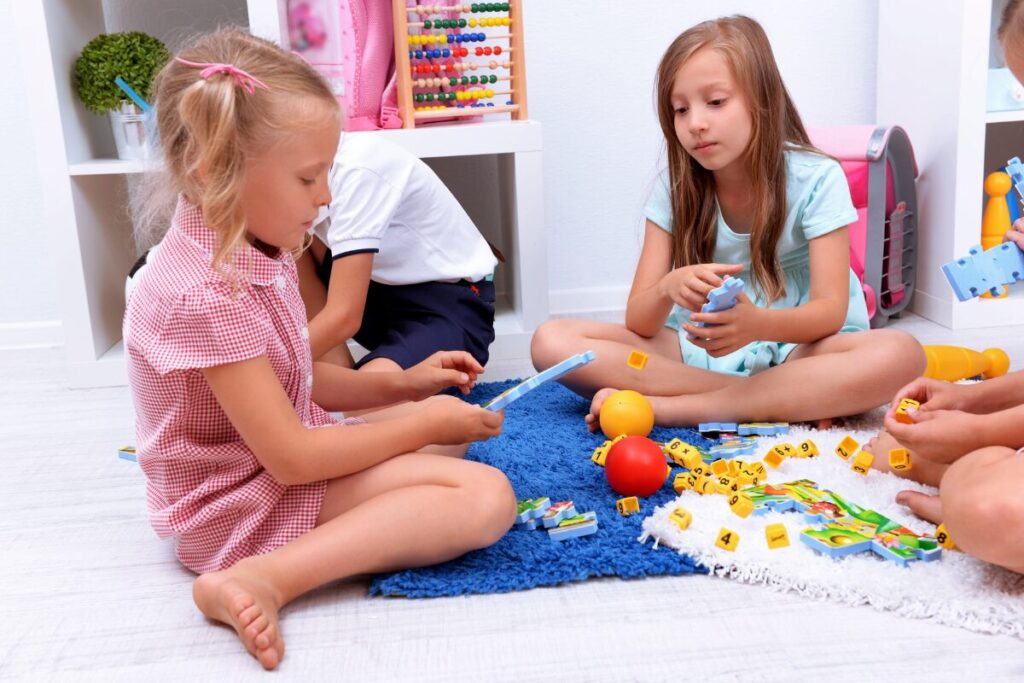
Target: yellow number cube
(862, 463)
(741, 504)
(683, 482)
(776, 535)
(704, 485)
(773, 459)
(899, 459)
(901, 410)
(847, 447)
(720, 467)
(942, 536)
(681, 517)
(727, 539)
(807, 449)
(627, 506)
(785, 450)
(637, 359)
(601, 453)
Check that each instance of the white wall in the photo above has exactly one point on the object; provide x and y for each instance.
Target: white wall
(590, 69)
(602, 143)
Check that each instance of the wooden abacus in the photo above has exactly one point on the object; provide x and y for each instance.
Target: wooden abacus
(439, 52)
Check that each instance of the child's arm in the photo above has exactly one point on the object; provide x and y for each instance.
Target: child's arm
(656, 285)
(998, 393)
(820, 317)
(339, 388)
(253, 400)
(342, 314)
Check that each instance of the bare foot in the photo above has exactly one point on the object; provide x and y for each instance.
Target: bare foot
(921, 469)
(592, 418)
(247, 603)
(922, 505)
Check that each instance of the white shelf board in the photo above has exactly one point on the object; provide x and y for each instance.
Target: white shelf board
(455, 140)
(107, 167)
(1004, 116)
(991, 312)
(466, 138)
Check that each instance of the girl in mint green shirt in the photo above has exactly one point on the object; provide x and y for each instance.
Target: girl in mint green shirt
(744, 195)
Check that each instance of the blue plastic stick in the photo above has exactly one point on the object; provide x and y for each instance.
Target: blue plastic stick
(554, 372)
(142, 104)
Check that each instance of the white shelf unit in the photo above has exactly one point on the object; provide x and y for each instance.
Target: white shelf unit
(86, 188)
(933, 61)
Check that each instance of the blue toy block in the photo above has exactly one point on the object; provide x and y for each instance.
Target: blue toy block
(714, 427)
(985, 271)
(127, 453)
(554, 372)
(1015, 169)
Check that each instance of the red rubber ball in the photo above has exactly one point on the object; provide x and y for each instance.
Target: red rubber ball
(636, 466)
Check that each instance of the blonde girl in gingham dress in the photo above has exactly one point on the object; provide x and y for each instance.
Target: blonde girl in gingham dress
(265, 495)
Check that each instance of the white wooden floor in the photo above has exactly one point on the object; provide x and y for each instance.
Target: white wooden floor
(88, 592)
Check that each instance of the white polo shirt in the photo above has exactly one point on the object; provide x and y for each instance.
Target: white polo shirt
(387, 201)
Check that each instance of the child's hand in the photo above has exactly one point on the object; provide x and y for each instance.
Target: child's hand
(727, 330)
(454, 421)
(939, 435)
(933, 394)
(1016, 235)
(440, 371)
(689, 286)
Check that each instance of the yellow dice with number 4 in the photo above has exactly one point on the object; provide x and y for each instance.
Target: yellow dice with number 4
(727, 539)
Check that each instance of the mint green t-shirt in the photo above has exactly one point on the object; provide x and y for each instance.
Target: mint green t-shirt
(817, 202)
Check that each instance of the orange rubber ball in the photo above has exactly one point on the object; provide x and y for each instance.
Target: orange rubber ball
(626, 412)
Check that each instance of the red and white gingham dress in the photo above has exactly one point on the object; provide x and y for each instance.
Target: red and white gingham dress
(205, 486)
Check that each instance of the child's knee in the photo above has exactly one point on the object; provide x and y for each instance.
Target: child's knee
(979, 492)
(904, 351)
(493, 505)
(550, 341)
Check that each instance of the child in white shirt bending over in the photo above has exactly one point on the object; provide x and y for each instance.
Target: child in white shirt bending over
(406, 271)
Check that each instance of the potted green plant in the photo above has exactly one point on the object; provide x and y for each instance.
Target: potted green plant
(136, 58)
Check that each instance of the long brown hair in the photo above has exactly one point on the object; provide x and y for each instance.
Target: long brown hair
(1011, 25)
(209, 127)
(776, 126)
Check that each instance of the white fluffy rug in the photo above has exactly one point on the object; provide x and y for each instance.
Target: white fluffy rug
(957, 590)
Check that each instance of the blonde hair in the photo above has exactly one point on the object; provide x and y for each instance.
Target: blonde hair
(776, 126)
(209, 127)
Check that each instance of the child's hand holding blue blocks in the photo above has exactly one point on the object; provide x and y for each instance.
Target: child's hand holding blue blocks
(721, 298)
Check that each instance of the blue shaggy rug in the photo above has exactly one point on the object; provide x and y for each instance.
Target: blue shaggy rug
(545, 450)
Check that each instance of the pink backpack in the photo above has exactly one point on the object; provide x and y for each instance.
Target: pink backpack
(368, 48)
(881, 171)
(351, 43)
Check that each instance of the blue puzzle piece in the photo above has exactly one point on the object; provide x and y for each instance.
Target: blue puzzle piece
(722, 298)
(575, 529)
(711, 427)
(1015, 169)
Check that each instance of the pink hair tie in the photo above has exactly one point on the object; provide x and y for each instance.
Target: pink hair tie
(242, 78)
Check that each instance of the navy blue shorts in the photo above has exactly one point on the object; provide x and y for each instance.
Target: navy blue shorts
(408, 323)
